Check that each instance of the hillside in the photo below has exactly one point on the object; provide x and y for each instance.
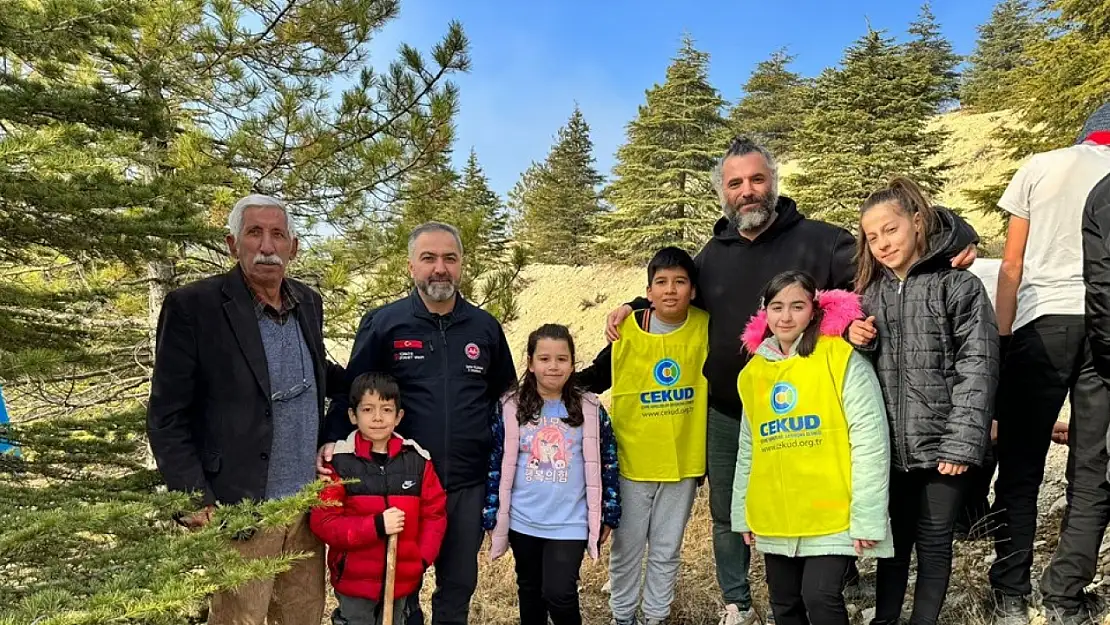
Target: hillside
(581, 296)
(976, 160)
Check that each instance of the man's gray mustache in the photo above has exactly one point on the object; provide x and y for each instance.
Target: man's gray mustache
(268, 259)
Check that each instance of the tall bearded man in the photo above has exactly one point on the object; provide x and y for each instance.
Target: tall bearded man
(761, 235)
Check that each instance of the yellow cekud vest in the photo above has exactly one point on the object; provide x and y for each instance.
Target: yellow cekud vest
(660, 400)
(801, 468)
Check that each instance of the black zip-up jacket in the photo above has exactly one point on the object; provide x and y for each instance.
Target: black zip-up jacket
(936, 355)
(733, 271)
(1096, 273)
(451, 369)
(1096, 277)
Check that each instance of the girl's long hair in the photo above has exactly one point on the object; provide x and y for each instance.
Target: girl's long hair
(527, 394)
(807, 342)
(909, 200)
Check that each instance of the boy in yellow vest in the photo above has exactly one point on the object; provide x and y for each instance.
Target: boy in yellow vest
(659, 418)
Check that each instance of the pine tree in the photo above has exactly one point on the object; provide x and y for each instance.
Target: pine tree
(1001, 50)
(871, 126)
(661, 193)
(520, 196)
(127, 130)
(1067, 78)
(562, 205)
(774, 103)
(929, 48)
(492, 266)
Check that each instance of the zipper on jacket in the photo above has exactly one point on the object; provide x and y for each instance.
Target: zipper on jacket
(446, 404)
(900, 418)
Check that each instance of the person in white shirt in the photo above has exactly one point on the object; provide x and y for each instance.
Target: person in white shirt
(1046, 356)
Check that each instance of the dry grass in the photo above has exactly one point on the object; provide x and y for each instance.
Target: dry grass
(696, 600)
(556, 294)
(977, 160)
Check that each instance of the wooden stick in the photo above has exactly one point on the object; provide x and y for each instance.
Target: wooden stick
(390, 578)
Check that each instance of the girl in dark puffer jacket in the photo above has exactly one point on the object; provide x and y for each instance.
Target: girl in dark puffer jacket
(934, 340)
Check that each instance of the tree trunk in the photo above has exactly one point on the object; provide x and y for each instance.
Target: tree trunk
(162, 280)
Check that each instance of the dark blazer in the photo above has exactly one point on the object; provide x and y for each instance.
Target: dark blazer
(209, 418)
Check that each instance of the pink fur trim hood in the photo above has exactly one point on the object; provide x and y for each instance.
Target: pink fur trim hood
(840, 309)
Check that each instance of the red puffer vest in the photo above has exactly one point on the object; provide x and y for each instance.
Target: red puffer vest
(354, 529)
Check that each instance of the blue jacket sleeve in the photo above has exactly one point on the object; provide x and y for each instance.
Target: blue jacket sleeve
(610, 473)
(493, 478)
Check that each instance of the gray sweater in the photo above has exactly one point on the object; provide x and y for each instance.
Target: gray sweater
(296, 422)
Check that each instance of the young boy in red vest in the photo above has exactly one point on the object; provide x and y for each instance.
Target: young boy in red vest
(397, 494)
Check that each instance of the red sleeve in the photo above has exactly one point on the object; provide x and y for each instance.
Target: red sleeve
(339, 530)
(433, 516)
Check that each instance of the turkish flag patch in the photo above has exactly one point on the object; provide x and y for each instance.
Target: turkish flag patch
(408, 344)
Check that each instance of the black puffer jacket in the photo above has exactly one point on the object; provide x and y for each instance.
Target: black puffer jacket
(936, 356)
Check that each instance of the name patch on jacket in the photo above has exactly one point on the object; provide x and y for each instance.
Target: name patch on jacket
(408, 349)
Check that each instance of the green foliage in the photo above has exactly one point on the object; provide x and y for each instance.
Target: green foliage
(128, 129)
(935, 62)
(492, 266)
(871, 126)
(1065, 80)
(1068, 77)
(87, 176)
(87, 536)
(131, 127)
(1001, 50)
(560, 201)
(661, 192)
(774, 103)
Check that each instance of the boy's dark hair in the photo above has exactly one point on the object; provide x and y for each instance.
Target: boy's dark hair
(382, 384)
(672, 258)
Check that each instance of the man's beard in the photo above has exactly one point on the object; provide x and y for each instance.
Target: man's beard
(753, 218)
(438, 288)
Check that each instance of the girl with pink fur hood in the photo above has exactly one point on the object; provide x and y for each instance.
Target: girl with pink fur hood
(812, 473)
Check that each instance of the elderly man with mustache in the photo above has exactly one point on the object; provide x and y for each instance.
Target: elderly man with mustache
(452, 363)
(237, 403)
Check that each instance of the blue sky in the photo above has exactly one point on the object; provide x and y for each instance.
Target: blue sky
(533, 60)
